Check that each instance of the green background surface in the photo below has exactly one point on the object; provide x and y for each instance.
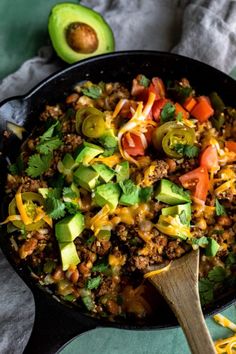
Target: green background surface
(23, 29)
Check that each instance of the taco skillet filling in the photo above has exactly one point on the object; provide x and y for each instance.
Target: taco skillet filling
(115, 180)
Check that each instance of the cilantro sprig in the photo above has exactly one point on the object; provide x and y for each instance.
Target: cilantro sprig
(167, 113)
(208, 285)
(48, 142)
(93, 91)
(220, 210)
(189, 151)
(37, 165)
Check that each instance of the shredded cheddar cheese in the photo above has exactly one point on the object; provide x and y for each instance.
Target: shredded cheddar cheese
(227, 345)
(157, 271)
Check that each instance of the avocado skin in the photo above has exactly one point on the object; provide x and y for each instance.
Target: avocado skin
(69, 256)
(64, 14)
(170, 193)
(107, 194)
(69, 228)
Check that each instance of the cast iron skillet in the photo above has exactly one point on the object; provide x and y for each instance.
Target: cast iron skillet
(57, 322)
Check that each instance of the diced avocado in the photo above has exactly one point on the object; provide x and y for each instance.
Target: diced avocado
(86, 152)
(66, 166)
(43, 192)
(172, 226)
(122, 170)
(169, 193)
(86, 177)
(107, 194)
(69, 255)
(105, 172)
(212, 247)
(68, 161)
(130, 199)
(182, 210)
(78, 32)
(69, 228)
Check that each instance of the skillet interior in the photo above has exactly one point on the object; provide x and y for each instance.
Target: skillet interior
(122, 67)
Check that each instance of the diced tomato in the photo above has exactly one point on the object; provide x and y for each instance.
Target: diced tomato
(132, 144)
(209, 158)
(157, 87)
(203, 110)
(189, 103)
(230, 145)
(157, 107)
(180, 109)
(197, 181)
(148, 134)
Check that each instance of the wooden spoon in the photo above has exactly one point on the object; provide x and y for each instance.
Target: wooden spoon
(179, 286)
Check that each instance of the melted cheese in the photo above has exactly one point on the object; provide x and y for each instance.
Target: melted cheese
(157, 271)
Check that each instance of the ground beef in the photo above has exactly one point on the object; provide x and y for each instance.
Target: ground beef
(174, 249)
(71, 142)
(153, 173)
(51, 112)
(141, 262)
(28, 184)
(101, 247)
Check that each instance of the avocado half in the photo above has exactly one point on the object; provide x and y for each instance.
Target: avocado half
(78, 32)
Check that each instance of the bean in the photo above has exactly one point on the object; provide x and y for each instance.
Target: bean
(172, 165)
(224, 220)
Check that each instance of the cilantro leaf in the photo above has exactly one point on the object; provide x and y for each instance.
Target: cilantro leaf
(109, 143)
(49, 145)
(49, 132)
(93, 283)
(145, 194)
(17, 167)
(100, 267)
(179, 117)
(68, 193)
(167, 113)
(93, 91)
(37, 165)
(217, 274)
(143, 80)
(128, 186)
(48, 142)
(55, 208)
(72, 208)
(201, 242)
(231, 259)
(179, 190)
(206, 291)
(187, 150)
(220, 210)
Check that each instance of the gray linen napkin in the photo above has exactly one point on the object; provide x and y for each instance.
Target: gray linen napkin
(208, 34)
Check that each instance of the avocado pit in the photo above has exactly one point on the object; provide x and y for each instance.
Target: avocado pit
(81, 38)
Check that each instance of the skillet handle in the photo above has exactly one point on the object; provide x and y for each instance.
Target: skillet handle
(53, 326)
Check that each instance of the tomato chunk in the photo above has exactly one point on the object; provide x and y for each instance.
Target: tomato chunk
(157, 107)
(157, 87)
(230, 145)
(209, 158)
(197, 181)
(203, 110)
(132, 144)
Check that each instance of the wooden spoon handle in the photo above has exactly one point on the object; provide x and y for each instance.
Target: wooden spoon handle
(179, 286)
(190, 317)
